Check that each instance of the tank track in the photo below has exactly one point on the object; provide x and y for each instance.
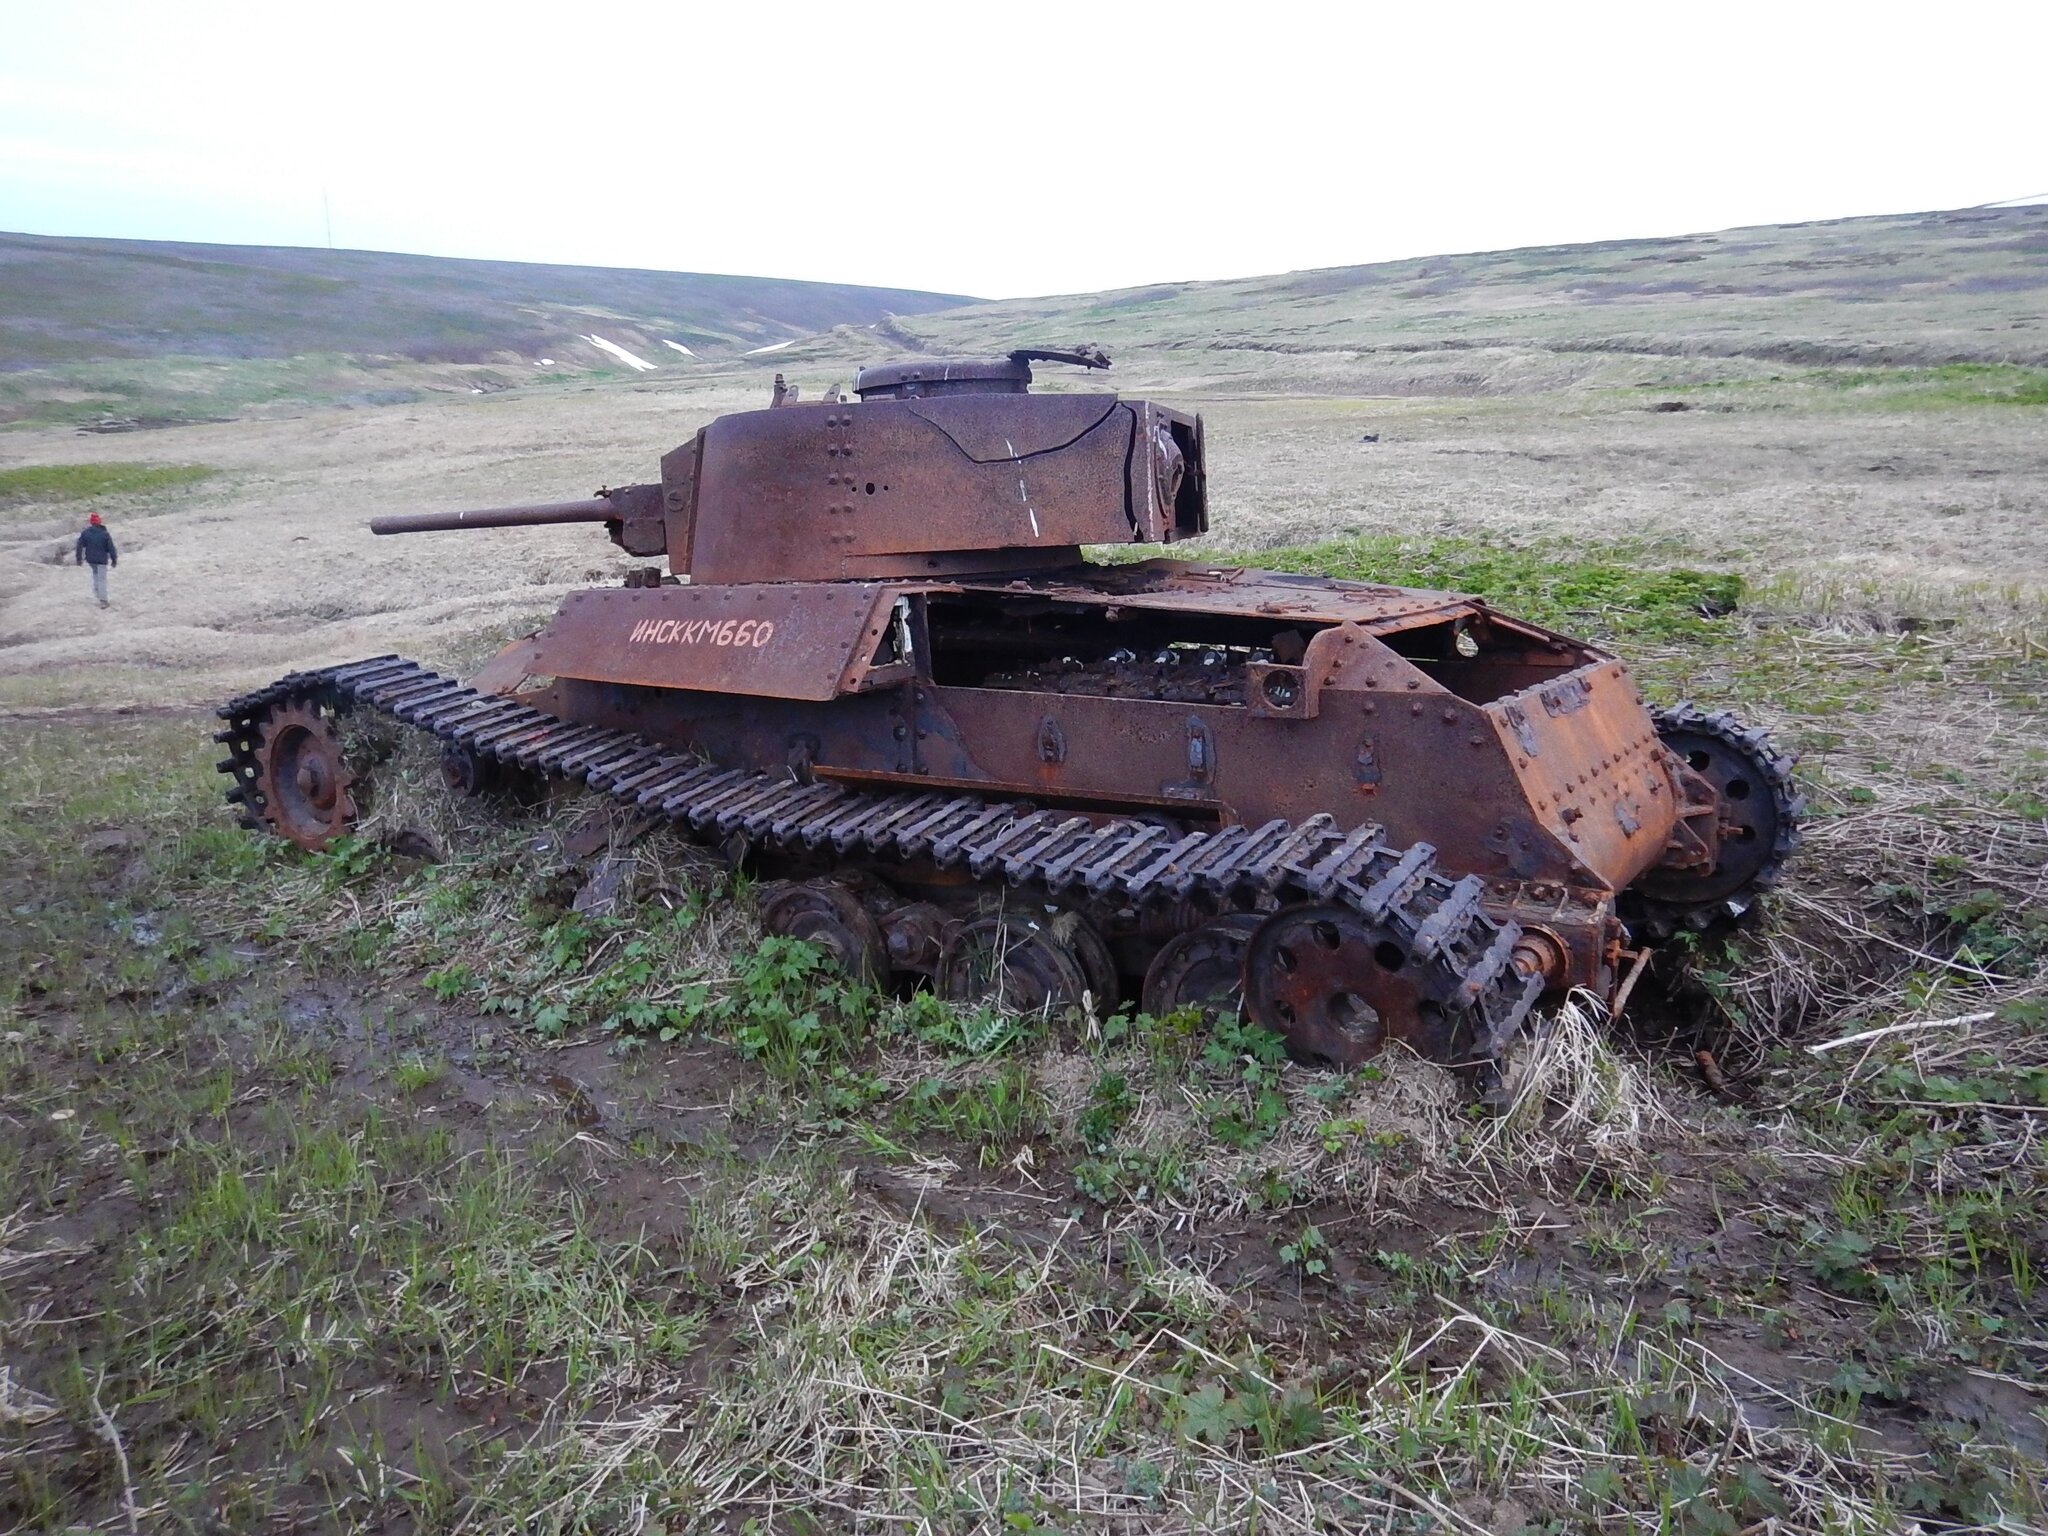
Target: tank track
(1467, 959)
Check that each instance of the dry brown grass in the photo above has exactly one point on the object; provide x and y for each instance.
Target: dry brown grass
(270, 567)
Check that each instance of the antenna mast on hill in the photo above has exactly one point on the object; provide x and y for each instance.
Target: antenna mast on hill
(327, 213)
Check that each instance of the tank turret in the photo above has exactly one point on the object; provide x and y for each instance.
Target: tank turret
(940, 467)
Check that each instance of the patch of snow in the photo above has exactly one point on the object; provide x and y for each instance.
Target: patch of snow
(547, 362)
(620, 353)
(776, 348)
(677, 346)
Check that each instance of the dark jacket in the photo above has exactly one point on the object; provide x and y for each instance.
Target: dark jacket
(96, 547)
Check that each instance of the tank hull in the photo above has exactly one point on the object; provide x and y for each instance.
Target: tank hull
(1518, 755)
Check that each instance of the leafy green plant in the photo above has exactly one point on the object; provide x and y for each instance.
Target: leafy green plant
(1129, 1177)
(1256, 1058)
(449, 982)
(1274, 1420)
(789, 1007)
(1309, 1252)
(1842, 1262)
(413, 1071)
(350, 859)
(962, 1031)
(1110, 1106)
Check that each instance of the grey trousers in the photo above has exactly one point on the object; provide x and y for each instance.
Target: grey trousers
(99, 582)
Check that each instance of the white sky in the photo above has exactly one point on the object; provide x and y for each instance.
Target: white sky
(1002, 148)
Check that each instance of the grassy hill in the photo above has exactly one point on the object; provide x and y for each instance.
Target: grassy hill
(1967, 287)
(95, 327)
(127, 331)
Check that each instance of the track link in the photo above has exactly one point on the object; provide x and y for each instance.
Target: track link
(1467, 958)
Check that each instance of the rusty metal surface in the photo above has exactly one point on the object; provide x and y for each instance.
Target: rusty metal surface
(946, 469)
(1201, 967)
(811, 495)
(776, 642)
(1366, 733)
(1570, 931)
(290, 773)
(930, 486)
(594, 509)
(1586, 754)
(1179, 586)
(917, 377)
(634, 513)
(911, 378)
(1337, 988)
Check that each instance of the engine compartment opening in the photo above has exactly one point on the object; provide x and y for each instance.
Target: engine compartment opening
(977, 640)
(1480, 658)
(1056, 647)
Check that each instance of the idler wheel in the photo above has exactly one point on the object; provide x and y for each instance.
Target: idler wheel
(1338, 988)
(303, 777)
(1014, 962)
(827, 914)
(1202, 969)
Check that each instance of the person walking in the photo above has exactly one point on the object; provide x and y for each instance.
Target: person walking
(96, 549)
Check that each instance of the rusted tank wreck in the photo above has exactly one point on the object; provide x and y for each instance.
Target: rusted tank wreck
(879, 667)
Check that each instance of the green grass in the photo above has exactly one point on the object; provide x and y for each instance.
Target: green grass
(40, 484)
(1951, 384)
(300, 1248)
(1945, 386)
(1611, 592)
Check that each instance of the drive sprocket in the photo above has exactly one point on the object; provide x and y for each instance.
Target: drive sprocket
(1759, 811)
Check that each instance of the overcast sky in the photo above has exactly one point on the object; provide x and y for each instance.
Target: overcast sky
(1001, 148)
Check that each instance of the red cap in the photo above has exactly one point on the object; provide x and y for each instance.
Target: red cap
(94, 518)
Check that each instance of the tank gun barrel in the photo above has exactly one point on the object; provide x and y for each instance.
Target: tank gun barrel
(596, 509)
